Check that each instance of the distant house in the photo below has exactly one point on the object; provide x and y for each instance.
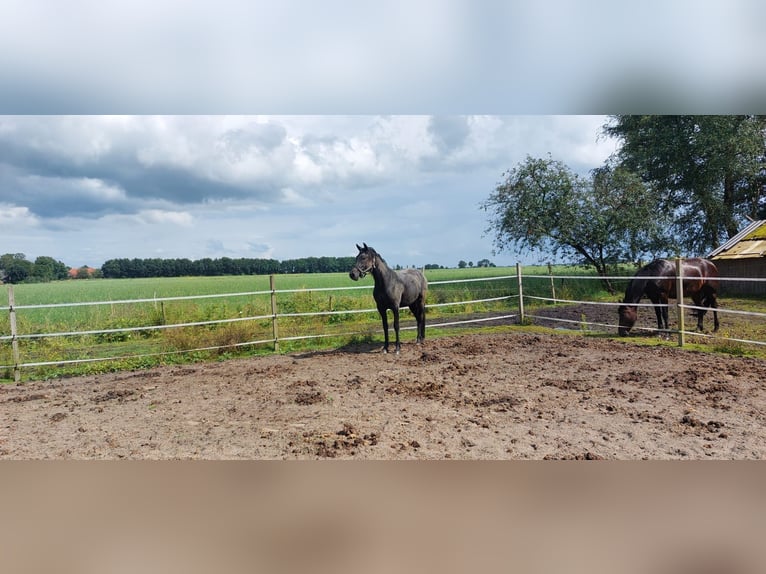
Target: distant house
(81, 272)
(744, 255)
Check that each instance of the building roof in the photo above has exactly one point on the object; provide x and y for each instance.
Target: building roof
(748, 243)
(73, 271)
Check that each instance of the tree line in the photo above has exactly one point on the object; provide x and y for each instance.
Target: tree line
(15, 268)
(209, 267)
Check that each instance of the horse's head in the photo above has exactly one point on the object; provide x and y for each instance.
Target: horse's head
(365, 262)
(628, 315)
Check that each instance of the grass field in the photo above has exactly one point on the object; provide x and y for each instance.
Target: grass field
(301, 293)
(247, 317)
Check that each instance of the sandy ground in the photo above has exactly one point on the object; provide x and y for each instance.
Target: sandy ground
(507, 395)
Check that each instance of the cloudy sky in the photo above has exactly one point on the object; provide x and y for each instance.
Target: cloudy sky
(85, 189)
(255, 128)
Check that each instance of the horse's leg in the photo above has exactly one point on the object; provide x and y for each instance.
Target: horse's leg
(420, 316)
(658, 311)
(398, 345)
(711, 302)
(714, 305)
(384, 317)
(698, 301)
(422, 322)
(660, 303)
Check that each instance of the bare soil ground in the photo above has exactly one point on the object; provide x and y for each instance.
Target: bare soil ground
(511, 395)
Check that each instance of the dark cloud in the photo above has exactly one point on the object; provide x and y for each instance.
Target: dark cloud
(117, 188)
(182, 186)
(57, 197)
(55, 167)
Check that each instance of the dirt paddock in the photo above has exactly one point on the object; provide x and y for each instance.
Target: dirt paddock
(511, 395)
(507, 395)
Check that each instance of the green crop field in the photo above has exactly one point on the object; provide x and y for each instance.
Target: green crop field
(247, 317)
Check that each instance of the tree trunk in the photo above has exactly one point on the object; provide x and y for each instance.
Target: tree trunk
(605, 281)
(600, 265)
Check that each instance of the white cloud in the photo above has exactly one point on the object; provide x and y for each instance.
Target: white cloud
(295, 199)
(14, 215)
(96, 189)
(160, 217)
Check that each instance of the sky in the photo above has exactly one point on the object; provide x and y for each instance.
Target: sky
(254, 128)
(85, 189)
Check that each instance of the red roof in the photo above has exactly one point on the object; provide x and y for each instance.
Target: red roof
(75, 270)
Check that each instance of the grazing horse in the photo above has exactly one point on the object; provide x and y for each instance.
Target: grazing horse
(657, 280)
(393, 289)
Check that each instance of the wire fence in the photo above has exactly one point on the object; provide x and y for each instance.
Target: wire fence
(265, 326)
(518, 298)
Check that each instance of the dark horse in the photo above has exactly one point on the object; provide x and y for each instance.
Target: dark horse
(393, 289)
(658, 281)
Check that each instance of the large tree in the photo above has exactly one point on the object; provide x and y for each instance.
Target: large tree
(711, 170)
(48, 269)
(14, 267)
(600, 220)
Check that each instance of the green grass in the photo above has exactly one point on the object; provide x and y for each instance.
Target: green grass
(322, 293)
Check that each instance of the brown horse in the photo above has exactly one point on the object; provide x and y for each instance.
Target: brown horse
(393, 289)
(657, 280)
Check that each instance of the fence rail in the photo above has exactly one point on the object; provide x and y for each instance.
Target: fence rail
(511, 283)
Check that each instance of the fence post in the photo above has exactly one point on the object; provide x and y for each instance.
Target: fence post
(14, 334)
(521, 293)
(680, 301)
(274, 325)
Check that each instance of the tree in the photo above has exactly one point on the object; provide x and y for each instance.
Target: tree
(48, 269)
(602, 220)
(462, 264)
(710, 170)
(14, 267)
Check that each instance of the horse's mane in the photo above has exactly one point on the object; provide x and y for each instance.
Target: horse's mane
(378, 255)
(374, 253)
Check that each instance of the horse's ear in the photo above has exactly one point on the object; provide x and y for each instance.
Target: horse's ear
(359, 248)
(365, 245)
